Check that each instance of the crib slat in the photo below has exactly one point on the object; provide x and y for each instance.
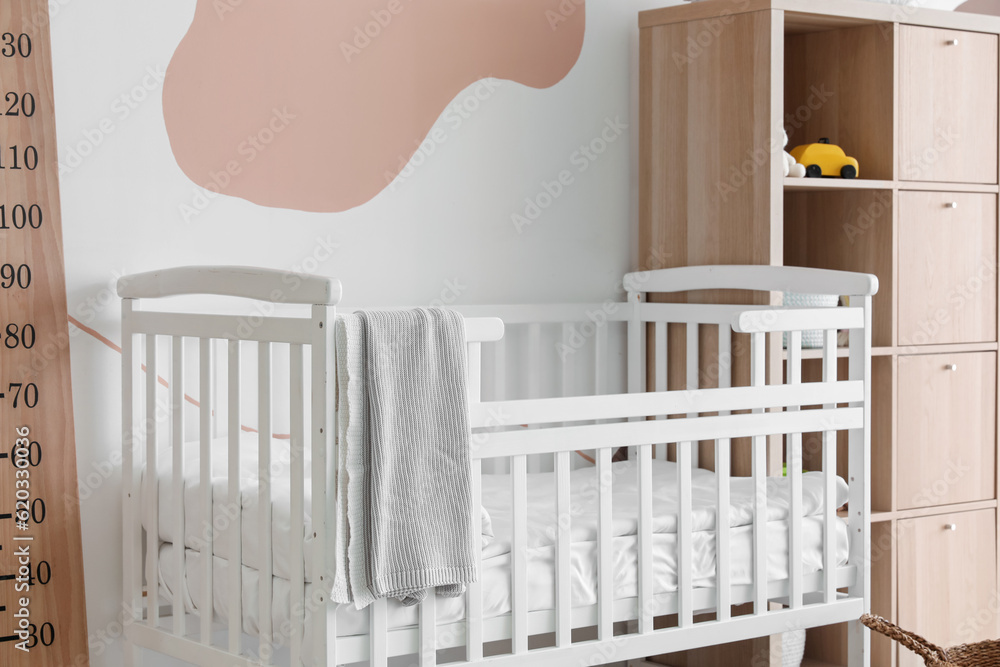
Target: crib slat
(131, 551)
(131, 461)
(660, 353)
(759, 447)
(685, 580)
(722, 470)
(519, 630)
(687, 457)
(205, 394)
(645, 453)
(497, 466)
(725, 356)
(601, 361)
(534, 359)
(565, 367)
(636, 353)
(829, 477)
(219, 424)
(859, 477)
(235, 501)
(328, 641)
(177, 441)
(323, 444)
(722, 531)
(794, 373)
(693, 351)
(499, 370)
(153, 530)
(605, 577)
(296, 444)
(760, 525)
(534, 378)
(660, 350)
(264, 525)
(564, 587)
(428, 630)
(474, 592)
(378, 624)
(693, 373)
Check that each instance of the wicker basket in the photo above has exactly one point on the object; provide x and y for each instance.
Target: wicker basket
(982, 654)
(810, 339)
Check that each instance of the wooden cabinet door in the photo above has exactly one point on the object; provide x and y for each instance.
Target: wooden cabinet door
(947, 106)
(947, 268)
(947, 579)
(946, 429)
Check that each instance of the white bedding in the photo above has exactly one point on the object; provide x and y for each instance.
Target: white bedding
(496, 555)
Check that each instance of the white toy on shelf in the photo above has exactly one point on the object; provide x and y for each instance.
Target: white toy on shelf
(792, 167)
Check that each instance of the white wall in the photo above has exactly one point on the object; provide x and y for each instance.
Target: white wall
(448, 223)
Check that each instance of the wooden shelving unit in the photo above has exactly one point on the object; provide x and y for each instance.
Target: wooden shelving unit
(912, 94)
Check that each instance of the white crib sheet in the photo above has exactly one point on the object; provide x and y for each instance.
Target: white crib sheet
(496, 556)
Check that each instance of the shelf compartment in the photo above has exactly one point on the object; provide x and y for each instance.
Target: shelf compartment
(839, 85)
(848, 230)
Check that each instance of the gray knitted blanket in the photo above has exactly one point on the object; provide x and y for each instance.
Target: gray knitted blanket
(406, 519)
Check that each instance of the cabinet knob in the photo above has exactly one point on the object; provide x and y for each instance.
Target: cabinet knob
(951, 526)
(952, 42)
(951, 367)
(951, 204)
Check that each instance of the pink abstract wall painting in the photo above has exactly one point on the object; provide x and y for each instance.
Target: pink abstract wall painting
(980, 7)
(316, 105)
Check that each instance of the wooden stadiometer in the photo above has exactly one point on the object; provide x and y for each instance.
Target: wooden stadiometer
(43, 620)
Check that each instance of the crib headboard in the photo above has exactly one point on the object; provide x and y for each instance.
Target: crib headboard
(195, 377)
(699, 346)
(232, 281)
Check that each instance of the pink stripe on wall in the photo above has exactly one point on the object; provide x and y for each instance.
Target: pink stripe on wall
(317, 105)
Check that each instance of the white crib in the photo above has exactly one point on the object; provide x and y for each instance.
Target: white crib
(274, 608)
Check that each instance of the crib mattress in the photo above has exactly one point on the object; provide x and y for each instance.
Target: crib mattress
(496, 554)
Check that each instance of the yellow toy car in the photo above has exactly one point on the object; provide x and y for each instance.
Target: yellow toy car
(825, 159)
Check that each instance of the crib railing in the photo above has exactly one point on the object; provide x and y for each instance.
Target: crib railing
(303, 336)
(556, 350)
(512, 430)
(517, 443)
(557, 426)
